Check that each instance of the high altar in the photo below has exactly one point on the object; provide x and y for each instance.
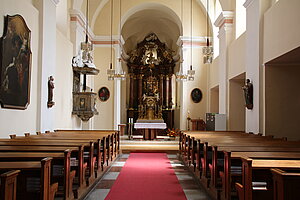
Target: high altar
(151, 69)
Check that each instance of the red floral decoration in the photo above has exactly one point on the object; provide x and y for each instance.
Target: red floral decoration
(172, 132)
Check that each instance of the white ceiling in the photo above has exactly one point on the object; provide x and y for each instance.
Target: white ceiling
(157, 19)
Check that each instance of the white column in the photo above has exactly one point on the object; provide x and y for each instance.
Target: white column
(182, 88)
(77, 26)
(47, 61)
(117, 89)
(224, 22)
(254, 54)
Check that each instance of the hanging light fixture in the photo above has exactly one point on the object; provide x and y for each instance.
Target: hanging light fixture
(87, 47)
(180, 76)
(112, 74)
(85, 55)
(121, 75)
(191, 72)
(111, 71)
(207, 51)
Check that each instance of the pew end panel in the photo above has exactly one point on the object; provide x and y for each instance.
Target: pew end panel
(286, 184)
(8, 185)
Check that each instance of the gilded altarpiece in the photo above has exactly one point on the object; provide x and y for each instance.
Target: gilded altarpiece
(151, 68)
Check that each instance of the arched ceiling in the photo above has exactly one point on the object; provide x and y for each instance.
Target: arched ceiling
(148, 18)
(96, 6)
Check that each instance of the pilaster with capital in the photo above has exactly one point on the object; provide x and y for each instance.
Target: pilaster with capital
(255, 10)
(225, 24)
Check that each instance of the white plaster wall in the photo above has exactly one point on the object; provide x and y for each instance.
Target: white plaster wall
(236, 117)
(214, 100)
(214, 73)
(282, 101)
(21, 121)
(105, 119)
(124, 86)
(236, 57)
(197, 110)
(252, 64)
(254, 59)
(62, 17)
(47, 62)
(64, 85)
(281, 29)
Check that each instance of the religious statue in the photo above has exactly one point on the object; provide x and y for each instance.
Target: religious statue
(50, 102)
(248, 92)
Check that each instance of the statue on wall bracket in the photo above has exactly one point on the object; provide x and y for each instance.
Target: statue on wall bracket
(248, 92)
(50, 102)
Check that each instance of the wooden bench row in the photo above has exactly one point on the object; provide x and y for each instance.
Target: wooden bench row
(78, 159)
(220, 159)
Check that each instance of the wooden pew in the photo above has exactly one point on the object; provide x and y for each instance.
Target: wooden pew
(8, 185)
(250, 173)
(112, 142)
(68, 175)
(47, 190)
(110, 137)
(234, 156)
(84, 136)
(61, 139)
(212, 162)
(286, 184)
(75, 151)
(214, 137)
(76, 137)
(206, 143)
(64, 143)
(112, 133)
(237, 141)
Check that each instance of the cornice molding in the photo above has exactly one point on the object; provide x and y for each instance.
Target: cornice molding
(78, 17)
(248, 3)
(198, 41)
(225, 17)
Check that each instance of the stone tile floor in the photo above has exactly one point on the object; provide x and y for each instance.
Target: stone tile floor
(191, 189)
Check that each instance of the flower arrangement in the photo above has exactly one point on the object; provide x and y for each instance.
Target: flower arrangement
(172, 132)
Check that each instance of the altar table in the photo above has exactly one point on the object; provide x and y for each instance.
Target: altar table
(149, 130)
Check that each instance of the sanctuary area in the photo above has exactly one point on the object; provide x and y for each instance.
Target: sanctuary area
(140, 99)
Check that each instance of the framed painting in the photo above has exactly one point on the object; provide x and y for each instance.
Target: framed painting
(103, 94)
(15, 63)
(196, 95)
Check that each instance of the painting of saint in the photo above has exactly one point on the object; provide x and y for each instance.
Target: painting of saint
(15, 57)
(103, 94)
(196, 95)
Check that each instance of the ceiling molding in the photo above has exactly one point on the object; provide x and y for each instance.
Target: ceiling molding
(225, 17)
(248, 3)
(55, 2)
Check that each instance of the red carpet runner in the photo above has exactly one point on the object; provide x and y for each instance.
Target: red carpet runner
(146, 176)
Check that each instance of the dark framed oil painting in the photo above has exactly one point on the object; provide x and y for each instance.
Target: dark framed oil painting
(15, 63)
(103, 94)
(196, 95)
